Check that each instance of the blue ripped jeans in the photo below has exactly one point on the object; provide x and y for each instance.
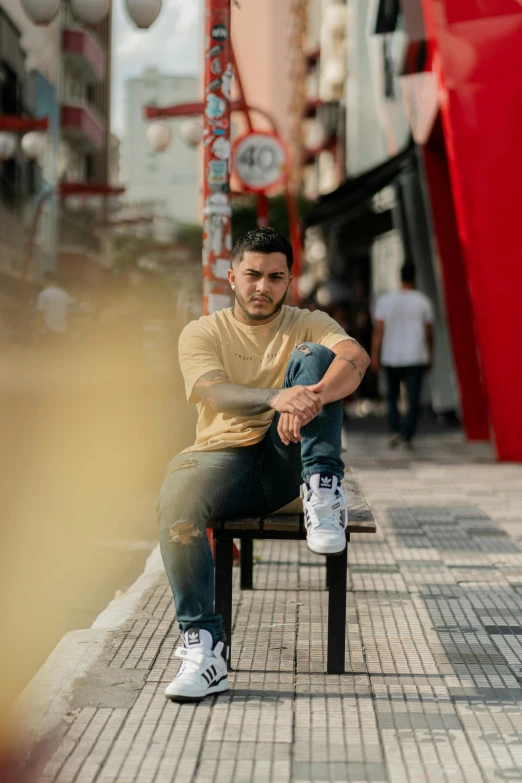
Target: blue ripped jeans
(253, 480)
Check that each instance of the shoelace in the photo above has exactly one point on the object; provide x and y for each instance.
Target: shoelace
(318, 501)
(192, 660)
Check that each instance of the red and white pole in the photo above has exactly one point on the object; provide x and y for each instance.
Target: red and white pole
(217, 212)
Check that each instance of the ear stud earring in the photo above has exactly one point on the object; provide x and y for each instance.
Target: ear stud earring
(233, 288)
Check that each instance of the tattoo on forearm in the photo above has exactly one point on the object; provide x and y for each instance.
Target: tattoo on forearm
(211, 378)
(354, 341)
(216, 391)
(351, 361)
(205, 385)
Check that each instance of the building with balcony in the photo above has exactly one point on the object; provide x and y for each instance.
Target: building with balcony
(61, 71)
(85, 98)
(85, 135)
(29, 67)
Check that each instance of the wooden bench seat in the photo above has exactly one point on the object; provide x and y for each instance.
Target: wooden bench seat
(287, 524)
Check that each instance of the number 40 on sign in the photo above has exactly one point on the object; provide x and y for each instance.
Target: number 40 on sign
(260, 161)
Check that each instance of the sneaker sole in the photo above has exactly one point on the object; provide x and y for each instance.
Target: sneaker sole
(221, 687)
(326, 554)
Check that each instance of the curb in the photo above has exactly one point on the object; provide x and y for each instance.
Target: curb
(45, 700)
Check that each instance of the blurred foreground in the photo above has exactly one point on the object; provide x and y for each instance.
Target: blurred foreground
(88, 422)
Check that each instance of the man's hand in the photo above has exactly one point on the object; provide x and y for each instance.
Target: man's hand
(289, 428)
(302, 401)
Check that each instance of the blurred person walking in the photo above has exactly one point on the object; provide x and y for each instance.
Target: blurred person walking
(53, 305)
(402, 343)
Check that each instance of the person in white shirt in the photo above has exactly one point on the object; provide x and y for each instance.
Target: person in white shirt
(402, 344)
(53, 304)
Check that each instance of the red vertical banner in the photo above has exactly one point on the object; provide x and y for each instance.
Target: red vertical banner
(217, 213)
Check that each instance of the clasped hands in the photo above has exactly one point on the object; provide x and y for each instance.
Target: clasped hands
(298, 405)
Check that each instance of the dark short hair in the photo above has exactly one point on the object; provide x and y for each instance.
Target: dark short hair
(408, 273)
(263, 240)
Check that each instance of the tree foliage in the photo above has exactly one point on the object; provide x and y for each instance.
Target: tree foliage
(244, 216)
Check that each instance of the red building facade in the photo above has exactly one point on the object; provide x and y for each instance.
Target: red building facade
(473, 166)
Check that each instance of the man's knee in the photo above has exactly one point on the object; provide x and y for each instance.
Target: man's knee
(181, 508)
(183, 533)
(312, 354)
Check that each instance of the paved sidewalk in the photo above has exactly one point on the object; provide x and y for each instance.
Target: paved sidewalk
(434, 641)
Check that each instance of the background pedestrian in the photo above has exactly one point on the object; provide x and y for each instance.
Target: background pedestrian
(402, 343)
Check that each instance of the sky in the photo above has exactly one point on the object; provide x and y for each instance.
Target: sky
(172, 44)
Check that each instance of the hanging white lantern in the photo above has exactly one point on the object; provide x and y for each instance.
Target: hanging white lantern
(144, 12)
(7, 146)
(74, 203)
(34, 144)
(94, 203)
(334, 17)
(316, 252)
(90, 12)
(113, 204)
(191, 132)
(315, 134)
(159, 136)
(40, 11)
(333, 73)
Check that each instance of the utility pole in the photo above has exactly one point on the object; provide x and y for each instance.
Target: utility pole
(298, 71)
(217, 211)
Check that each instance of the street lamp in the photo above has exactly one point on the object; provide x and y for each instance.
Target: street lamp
(91, 12)
(159, 136)
(7, 146)
(41, 11)
(143, 12)
(33, 144)
(191, 132)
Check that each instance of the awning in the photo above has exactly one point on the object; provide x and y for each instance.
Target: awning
(349, 201)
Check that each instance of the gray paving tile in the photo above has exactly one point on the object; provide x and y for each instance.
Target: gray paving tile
(433, 689)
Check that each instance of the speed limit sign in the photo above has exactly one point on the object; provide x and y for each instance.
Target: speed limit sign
(259, 161)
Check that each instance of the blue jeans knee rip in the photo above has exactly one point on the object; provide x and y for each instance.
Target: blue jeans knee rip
(184, 533)
(303, 348)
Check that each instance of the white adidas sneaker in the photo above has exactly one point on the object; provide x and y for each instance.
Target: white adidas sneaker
(203, 671)
(325, 514)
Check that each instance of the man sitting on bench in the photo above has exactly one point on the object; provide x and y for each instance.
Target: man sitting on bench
(269, 381)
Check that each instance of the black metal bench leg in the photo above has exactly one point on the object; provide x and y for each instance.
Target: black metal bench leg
(223, 586)
(336, 566)
(247, 563)
(328, 575)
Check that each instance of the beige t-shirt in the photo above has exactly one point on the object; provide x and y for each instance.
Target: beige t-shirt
(254, 356)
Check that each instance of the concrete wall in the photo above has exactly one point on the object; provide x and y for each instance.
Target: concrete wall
(376, 126)
(260, 37)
